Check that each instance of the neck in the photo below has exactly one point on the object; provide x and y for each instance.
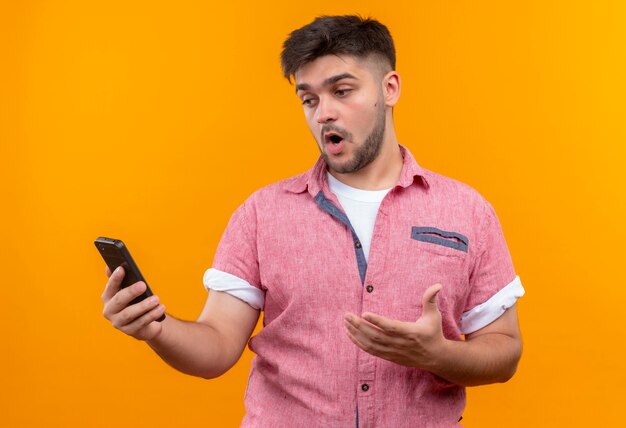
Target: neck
(383, 172)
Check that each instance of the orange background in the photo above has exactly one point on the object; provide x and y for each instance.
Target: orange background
(151, 122)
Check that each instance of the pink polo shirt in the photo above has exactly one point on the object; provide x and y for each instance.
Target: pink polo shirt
(293, 242)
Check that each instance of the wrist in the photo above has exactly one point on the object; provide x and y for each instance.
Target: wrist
(441, 356)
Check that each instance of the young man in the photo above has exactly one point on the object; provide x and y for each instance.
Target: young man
(369, 268)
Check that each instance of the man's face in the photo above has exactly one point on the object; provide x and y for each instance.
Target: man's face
(344, 108)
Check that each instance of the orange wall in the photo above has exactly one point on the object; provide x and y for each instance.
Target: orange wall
(152, 121)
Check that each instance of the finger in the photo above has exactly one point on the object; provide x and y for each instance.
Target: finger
(146, 322)
(369, 334)
(113, 285)
(429, 300)
(374, 341)
(352, 337)
(356, 323)
(108, 272)
(122, 298)
(358, 338)
(360, 328)
(129, 314)
(392, 327)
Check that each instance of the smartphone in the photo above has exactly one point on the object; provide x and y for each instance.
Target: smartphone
(116, 254)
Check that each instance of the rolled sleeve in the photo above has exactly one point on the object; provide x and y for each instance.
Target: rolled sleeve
(484, 314)
(221, 281)
(494, 286)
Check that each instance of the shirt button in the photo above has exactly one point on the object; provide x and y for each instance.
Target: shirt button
(365, 387)
(369, 288)
(357, 244)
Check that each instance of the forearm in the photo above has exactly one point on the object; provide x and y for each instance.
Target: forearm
(194, 348)
(485, 359)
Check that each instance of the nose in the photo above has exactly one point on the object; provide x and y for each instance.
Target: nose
(326, 111)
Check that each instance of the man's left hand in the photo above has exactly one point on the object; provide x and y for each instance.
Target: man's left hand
(413, 344)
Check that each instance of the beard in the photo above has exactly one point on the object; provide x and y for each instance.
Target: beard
(363, 155)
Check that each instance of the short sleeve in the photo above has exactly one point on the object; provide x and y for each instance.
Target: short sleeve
(237, 251)
(492, 268)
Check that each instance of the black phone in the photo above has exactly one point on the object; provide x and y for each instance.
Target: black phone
(116, 254)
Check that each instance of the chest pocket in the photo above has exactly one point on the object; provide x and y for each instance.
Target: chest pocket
(441, 238)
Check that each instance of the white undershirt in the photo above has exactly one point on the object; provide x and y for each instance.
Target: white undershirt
(361, 207)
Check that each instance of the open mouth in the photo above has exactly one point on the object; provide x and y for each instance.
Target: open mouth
(333, 138)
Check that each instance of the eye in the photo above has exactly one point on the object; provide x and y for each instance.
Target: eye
(342, 92)
(308, 101)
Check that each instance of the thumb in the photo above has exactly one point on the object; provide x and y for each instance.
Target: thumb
(429, 300)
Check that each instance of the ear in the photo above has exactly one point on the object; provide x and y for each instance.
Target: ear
(391, 88)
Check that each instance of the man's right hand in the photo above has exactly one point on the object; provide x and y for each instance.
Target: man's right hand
(138, 320)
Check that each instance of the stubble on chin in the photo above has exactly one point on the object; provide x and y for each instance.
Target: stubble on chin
(363, 155)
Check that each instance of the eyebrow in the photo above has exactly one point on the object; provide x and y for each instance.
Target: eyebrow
(331, 80)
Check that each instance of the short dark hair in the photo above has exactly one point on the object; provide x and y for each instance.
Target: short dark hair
(336, 35)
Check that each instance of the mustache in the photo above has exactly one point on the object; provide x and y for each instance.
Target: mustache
(344, 133)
